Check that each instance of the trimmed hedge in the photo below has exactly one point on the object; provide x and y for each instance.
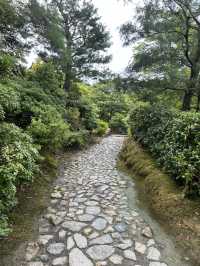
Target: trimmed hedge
(174, 139)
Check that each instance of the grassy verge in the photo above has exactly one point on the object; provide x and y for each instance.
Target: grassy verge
(178, 215)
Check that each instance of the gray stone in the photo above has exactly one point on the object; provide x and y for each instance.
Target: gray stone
(62, 234)
(59, 261)
(127, 243)
(129, 254)
(102, 240)
(100, 252)
(77, 258)
(157, 264)
(44, 258)
(153, 254)
(121, 227)
(56, 248)
(44, 239)
(70, 243)
(147, 232)
(36, 263)
(86, 218)
(99, 224)
(74, 226)
(81, 241)
(94, 210)
(116, 259)
(31, 251)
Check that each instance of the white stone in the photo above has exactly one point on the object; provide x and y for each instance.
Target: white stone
(140, 248)
(36, 263)
(94, 210)
(102, 240)
(74, 226)
(129, 254)
(77, 258)
(147, 232)
(99, 224)
(116, 259)
(86, 218)
(70, 243)
(56, 248)
(100, 252)
(62, 234)
(44, 239)
(59, 261)
(31, 251)
(81, 241)
(153, 254)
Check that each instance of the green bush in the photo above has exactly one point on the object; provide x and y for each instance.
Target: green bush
(18, 163)
(102, 128)
(118, 124)
(48, 128)
(174, 139)
(77, 139)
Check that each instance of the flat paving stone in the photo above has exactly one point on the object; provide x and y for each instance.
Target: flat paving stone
(78, 258)
(100, 252)
(56, 249)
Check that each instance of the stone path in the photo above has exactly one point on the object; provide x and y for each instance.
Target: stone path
(88, 222)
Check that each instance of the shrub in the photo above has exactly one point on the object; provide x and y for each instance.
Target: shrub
(18, 164)
(77, 139)
(174, 139)
(118, 124)
(48, 128)
(102, 128)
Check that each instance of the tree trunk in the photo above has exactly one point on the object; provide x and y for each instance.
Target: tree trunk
(67, 83)
(198, 103)
(187, 99)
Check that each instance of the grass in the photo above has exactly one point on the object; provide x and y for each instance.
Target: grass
(178, 215)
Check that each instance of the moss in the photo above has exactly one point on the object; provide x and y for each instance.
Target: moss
(178, 215)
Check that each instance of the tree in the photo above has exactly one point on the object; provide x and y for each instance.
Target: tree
(172, 27)
(13, 27)
(75, 36)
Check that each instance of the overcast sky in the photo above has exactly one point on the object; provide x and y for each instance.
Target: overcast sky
(114, 13)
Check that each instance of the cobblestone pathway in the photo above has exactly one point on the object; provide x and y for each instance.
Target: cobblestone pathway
(88, 222)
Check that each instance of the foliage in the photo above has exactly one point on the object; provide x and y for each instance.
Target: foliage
(18, 163)
(169, 52)
(48, 128)
(77, 139)
(118, 124)
(173, 138)
(73, 32)
(102, 128)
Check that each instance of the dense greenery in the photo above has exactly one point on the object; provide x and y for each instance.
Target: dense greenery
(49, 107)
(173, 137)
(167, 57)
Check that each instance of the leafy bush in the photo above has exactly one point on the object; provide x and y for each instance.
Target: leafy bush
(118, 124)
(48, 128)
(102, 128)
(174, 139)
(18, 164)
(77, 139)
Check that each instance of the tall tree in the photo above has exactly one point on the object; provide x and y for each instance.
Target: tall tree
(13, 27)
(173, 29)
(75, 36)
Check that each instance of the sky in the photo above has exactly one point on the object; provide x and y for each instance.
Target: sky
(113, 14)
